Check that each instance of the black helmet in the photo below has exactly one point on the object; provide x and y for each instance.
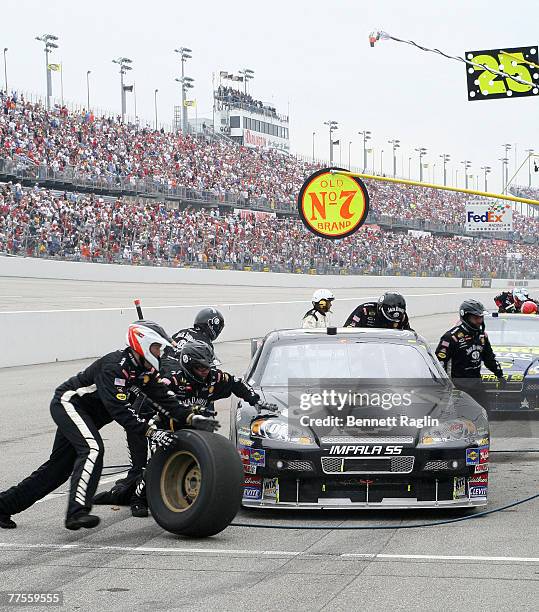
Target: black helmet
(196, 354)
(392, 306)
(471, 307)
(211, 321)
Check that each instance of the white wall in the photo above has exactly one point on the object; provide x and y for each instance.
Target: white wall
(61, 335)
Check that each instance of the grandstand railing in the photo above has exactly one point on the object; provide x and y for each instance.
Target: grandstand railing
(136, 258)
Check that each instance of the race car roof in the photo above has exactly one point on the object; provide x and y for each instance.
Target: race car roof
(361, 333)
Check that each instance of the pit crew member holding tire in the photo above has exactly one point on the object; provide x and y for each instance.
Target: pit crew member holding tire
(197, 384)
(463, 349)
(388, 312)
(320, 315)
(105, 391)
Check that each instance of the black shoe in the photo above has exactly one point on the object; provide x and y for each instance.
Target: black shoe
(82, 519)
(6, 522)
(139, 509)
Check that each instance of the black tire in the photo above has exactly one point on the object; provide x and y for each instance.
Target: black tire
(196, 488)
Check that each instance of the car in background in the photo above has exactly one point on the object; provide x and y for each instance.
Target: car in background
(515, 341)
(293, 462)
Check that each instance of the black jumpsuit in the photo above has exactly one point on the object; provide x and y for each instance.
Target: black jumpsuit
(369, 315)
(80, 407)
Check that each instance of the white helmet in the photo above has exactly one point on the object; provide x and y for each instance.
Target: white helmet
(322, 299)
(140, 337)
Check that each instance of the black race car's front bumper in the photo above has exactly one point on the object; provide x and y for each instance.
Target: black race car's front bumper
(418, 478)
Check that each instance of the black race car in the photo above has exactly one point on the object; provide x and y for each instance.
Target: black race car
(431, 451)
(515, 340)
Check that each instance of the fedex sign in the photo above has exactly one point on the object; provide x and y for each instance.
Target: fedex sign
(489, 217)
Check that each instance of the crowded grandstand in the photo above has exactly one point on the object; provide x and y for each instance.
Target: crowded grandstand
(167, 198)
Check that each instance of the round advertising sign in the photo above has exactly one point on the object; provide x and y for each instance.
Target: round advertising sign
(333, 205)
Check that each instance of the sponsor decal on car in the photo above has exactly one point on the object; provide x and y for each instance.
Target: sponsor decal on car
(252, 481)
(244, 454)
(245, 442)
(270, 488)
(249, 469)
(478, 479)
(244, 431)
(472, 456)
(459, 487)
(483, 454)
(252, 493)
(355, 449)
(483, 467)
(258, 457)
(478, 491)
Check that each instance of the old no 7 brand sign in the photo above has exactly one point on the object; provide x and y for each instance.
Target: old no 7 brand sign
(333, 205)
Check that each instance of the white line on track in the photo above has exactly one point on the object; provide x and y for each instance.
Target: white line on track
(119, 309)
(279, 553)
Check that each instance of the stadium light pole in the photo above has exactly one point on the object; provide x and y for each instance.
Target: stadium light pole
(88, 72)
(155, 106)
(248, 75)
(185, 54)
(445, 158)
(332, 125)
(395, 144)
(349, 149)
(50, 45)
(314, 134)
(487, 170)
(409, 168)
(467, 165)
(366, 136)
(124, 63)
(381, 162)
(530, 153)
(505, 167)
(186, 83)
(422, 152)
(5, 69)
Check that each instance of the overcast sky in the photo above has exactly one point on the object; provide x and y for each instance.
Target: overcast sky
(312, 57)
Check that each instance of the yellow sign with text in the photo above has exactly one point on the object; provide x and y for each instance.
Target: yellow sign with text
(333, 205)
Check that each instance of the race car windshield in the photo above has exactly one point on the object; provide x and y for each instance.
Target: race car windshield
(513, 331)
(345, 360)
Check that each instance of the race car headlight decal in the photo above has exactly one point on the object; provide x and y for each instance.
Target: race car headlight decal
(275, 429)
(449, 431)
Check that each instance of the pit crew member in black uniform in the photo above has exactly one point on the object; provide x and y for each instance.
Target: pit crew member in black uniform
(389, 312)
(207, 327)
(512, 301)
(105, 391)
(197, 384)
(464, 348)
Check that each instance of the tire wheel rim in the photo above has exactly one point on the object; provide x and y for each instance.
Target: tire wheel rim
(181, 480)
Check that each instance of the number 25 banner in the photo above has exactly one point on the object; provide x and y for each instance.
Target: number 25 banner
(521, 62)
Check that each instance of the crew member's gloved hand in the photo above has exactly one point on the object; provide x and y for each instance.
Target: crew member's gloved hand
(199, 421)
(502, 382)
(161, 437)
(266, 406)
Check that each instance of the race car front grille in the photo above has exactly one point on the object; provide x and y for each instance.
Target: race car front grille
(367, 465)
(300, 466)
(365, 440)
(438, 464)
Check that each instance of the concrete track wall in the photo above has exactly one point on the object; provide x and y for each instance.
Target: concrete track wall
(43, 268)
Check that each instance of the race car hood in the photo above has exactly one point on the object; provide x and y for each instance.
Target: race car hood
(444, 407)
(517, 360)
